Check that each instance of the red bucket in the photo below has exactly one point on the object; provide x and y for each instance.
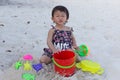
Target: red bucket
(64, 63)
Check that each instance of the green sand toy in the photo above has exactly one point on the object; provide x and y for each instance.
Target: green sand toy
(18, 64)
(84, 50)
(28, 76)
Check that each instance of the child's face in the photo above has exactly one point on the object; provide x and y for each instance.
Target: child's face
(59, 17)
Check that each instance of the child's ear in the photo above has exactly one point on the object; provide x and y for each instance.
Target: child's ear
(52, 18)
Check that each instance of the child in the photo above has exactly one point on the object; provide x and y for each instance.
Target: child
(60, 37)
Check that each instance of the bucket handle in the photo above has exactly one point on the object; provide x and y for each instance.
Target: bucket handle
(65, 67)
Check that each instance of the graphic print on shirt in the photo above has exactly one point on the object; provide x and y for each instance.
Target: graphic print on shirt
(61, 46)
(62, 39)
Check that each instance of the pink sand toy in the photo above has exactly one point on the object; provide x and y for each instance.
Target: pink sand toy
(27, 58)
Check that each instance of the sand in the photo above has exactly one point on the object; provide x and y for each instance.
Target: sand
(24, 25)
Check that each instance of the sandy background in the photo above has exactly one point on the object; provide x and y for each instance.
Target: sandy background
(24, 25)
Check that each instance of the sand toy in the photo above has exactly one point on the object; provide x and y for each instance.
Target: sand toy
(83, 50)
(27, 66)
(18, 64)
(90, 66)
(28, 76)
(37, 67)
(64, 63)
(28, 57)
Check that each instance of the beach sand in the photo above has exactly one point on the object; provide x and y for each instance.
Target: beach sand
(24, 25)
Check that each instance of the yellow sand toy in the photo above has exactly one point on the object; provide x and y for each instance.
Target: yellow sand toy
(27, 66)
(90, 66)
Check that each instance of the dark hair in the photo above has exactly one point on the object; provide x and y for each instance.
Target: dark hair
(62, 9)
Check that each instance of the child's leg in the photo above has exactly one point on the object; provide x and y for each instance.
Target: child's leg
(45, 59)
(77, 57)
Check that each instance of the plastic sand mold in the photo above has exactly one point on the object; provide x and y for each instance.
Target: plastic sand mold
(84, 50)
(27, 76)
(18, 64)
(37, 67)
(90, 66)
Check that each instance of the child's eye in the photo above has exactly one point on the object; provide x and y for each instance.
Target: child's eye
(62, 15)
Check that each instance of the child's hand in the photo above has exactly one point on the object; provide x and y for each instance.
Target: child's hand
(76, 47)
(70, 49)
(56, 51)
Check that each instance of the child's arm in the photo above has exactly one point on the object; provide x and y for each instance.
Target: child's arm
(49, 40)
(74, 42)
